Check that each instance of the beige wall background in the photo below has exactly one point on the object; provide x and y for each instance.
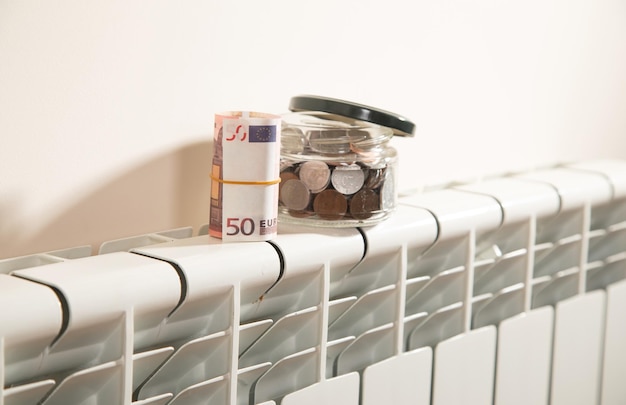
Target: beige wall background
(106, 107)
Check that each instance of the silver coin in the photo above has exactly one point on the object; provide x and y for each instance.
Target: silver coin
(348, 179)
(375, 178)
(315, 175)
(285, 176)
(295, 195)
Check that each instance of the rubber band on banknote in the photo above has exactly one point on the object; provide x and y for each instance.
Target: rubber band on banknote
(247, 183)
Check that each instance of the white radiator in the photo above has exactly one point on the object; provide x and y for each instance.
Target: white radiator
(509, 291)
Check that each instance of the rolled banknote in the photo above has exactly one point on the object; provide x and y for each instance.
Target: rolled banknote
(244, 176)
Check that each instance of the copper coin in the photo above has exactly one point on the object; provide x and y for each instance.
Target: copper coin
(315, 175)
(330, 204)
(295, 195)
(364, 203)
(348, 179)
(300, 214)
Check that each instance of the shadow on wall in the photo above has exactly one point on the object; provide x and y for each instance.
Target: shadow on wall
(167, 192)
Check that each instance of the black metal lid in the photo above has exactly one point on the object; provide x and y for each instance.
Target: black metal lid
(399, 124)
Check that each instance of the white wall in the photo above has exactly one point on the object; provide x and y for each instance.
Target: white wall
(106, 107)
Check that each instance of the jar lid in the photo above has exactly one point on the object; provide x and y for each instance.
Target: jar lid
(399, 124)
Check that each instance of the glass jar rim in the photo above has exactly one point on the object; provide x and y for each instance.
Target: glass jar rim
(335, 129)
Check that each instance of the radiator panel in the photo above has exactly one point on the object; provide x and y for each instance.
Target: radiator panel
(511, 290)
(401, 379)
(614, 361)
(524, 358)
(578, 335)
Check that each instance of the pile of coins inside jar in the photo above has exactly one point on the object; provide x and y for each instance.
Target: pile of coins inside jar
(335, 191)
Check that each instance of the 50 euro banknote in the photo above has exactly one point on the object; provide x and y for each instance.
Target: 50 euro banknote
(245, 176)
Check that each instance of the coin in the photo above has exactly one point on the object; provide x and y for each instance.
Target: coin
(348, 179)
(330, 204)
(315, 175)
(284, 176)
(300, 214)
(364, 203)
(295, 195)
(375, 178)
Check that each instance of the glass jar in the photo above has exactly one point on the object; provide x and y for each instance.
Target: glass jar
(337, 167)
